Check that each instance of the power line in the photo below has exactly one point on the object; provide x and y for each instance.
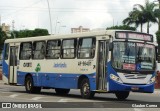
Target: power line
(23, 8)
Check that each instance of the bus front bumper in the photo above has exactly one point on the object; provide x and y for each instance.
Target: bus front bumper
(115, 86)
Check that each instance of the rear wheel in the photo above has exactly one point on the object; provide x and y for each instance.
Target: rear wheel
(85, 89)
(29, 85)
(122, 95)
(60, 91)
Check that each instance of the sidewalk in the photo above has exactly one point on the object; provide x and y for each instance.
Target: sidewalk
(1, 82)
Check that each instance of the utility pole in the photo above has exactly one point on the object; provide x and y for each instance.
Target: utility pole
(13, 28)
(50, 17)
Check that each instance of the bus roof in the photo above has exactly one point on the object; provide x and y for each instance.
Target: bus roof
(65, 36)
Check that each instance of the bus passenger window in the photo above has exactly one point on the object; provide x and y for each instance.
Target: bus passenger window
(69, 48)
(6, 51)
(25, 51)
(39, 50)
(86, 47)
(53, 49)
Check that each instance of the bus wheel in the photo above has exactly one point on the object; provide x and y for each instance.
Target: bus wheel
(29, 85)
(85, 89)
(122, 95)
(60, 91)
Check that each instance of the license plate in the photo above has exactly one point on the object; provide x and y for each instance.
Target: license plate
(135, 88)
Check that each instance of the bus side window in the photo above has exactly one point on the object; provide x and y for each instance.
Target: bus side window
(6, 51)
(69, 48)
(53, 49)
(25, 51)
(86, 47)
(39, 49)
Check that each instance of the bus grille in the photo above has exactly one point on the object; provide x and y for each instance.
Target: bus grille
(135, 76)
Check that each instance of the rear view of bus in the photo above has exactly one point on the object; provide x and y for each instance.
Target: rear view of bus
(132, 65)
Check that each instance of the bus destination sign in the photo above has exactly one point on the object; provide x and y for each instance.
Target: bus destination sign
(134, 36)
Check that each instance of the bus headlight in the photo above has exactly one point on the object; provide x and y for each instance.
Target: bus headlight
(115, 78)
(152, 80)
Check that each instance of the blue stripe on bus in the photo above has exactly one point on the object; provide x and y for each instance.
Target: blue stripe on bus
(56, 80)
(5, 69)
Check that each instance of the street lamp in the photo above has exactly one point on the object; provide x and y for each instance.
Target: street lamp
(56, 26)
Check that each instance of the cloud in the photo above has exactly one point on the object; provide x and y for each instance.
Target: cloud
(69, 13)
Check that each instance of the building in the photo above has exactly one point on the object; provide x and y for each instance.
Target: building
(79, 30)
(5, 28)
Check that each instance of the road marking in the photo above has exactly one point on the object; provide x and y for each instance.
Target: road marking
(63, 100)
(36, 98)
(13, 95)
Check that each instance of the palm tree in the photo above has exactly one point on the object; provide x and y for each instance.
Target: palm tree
(143, 14)
(149, 12)
(135, 17)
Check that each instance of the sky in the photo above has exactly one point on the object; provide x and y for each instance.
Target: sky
(67, 14)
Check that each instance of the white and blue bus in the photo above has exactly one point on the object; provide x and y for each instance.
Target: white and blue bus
(113, 61)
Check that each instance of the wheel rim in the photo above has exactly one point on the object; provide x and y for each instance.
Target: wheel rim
(86, 89)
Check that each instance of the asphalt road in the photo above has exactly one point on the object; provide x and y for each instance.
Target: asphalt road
(18, 94)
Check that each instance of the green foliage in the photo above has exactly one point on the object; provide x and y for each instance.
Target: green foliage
(158, 36)
(30, 33)
(3, 36)
(122, 27)
(142, 14)
(40, 32)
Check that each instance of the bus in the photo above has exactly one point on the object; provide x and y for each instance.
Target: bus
(109, 61)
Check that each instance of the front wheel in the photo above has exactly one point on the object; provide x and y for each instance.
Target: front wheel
(29, 85)
(122, 95)
(85, 89)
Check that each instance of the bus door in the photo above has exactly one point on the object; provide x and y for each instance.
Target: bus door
(103, 50)
(13, 64)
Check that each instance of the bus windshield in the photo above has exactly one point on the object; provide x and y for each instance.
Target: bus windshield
(133, 56)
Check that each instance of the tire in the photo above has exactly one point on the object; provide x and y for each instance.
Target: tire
(85, 89)
(122, 95)
(60, 91)
(29, 86)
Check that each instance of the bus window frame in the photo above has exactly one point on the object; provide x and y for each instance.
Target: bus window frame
(59, 40)
(130, 71)
(38, 50)
(92, 48)
(21, 50)
(75, 48)
(6, 44)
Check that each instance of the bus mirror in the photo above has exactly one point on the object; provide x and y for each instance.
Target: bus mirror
(110, 46)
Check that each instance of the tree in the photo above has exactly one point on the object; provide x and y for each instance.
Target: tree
(143, 14)
(135, 17)
(158, 36)
(122, 27)
(3, 36)
(29, 33)
(40, 32)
